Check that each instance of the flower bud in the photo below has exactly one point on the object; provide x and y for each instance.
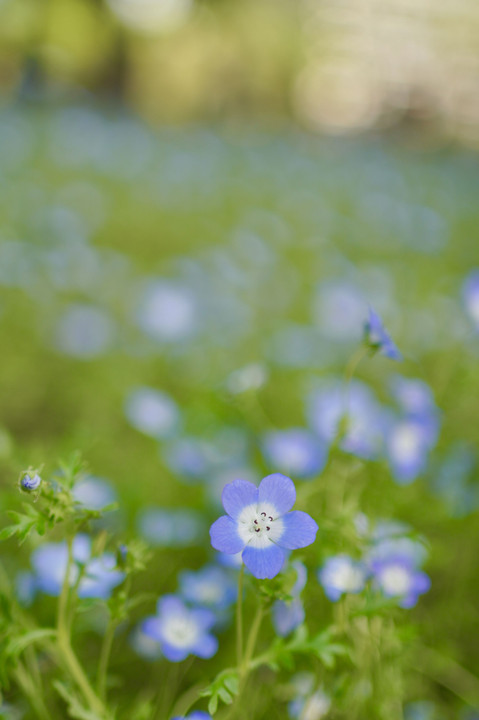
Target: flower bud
(30, 482)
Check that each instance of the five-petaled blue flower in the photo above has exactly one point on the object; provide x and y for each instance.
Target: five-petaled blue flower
(259, 524)
(378, 338)
(181, 631)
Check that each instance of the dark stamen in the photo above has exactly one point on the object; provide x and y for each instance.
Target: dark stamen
(268, 527)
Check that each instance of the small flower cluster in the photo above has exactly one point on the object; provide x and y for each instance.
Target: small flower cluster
(391, 562)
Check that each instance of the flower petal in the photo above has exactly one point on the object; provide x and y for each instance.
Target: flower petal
(205, 619)
(173, 653)
(299, 530)
(237, 495)
(206, 646)
(263, 562)
(224, 536)
(151, 627)
(279, 491)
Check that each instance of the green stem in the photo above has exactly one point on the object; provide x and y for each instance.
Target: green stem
(64, 643)
(239, 619)
(33, 693)
(251, 643)
(105, 658)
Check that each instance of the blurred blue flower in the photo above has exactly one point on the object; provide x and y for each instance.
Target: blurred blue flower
(167, 311)
(188, 457)
(378, 338)
(170, 527)
(195, 715)
(93, 493)
(407, 446)
(414, 397)
(331, 403)
(98, 575)
(210, 586)
(259, 524)
(287, 616)
(397, 576)
(295, 451)
(25, 588)
(181, 631)
(453, 481)
(339, 310)
(152, 412)
(309, 703)
(470, 297)
(340, 575)
(144, 646)
(84, 332)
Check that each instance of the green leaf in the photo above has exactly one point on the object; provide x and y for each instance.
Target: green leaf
(18, 644)
(224, 687)
(75, 708)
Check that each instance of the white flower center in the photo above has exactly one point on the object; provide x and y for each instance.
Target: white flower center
(348, 578)
(405, 443)
(180, 631)
(395, 580)
(258, 525)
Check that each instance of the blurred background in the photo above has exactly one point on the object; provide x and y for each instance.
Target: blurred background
(332, 66)
(198, 201)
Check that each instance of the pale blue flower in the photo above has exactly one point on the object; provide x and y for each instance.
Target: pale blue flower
(211, 586)
(181, 631)
(260, 525)
(99, 575)
(397, 577)
(93, 493)
(355, 405)
(152, 412)
(295, 451)
(170, 527)
(341, 575)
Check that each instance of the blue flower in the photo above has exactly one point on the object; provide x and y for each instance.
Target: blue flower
(408, 443)
(398, 577)
(287, 616)
(26, 588)
(98, 576)
(167, 311)
(340, 574)
(93, 493)
(211, 586)
(260, 525)
(30, 482)
(413, 396)
(188, 457)
(377, 337)
(170, 527)
(470, 297)
(330, 404)
(152, 412)
(181, 631)
(295, 451)
(195, 715)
